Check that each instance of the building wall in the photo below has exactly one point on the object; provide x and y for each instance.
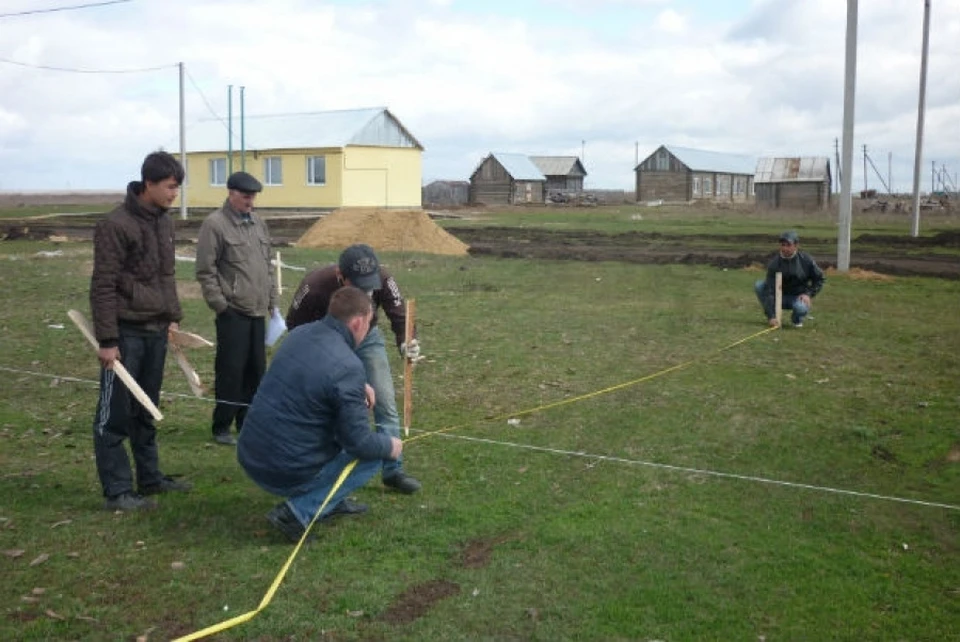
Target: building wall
(655, 185)
(794, 195)
(293, 192)
(490, 184)
(354, 177)
(381, 177)
(528, 192)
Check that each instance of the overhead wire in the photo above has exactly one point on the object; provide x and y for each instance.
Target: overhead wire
(88, 5)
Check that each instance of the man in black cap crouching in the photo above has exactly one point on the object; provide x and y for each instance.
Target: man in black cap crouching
(236, 277)
(802, 280)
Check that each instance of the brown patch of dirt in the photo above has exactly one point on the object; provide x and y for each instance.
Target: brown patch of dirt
(954, 455)
(417, 601)
(476, 553)
(858, 274)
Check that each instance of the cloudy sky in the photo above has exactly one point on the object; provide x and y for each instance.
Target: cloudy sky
(467, 77)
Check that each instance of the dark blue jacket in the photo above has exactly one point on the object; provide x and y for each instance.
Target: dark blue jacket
(309, 407)
(801, 275)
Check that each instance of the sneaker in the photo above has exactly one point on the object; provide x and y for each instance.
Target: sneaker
(283, 519)
(346, 507)
(126, 502)
(166, 485)
(225, 439)
(402, 482)
(798, 325)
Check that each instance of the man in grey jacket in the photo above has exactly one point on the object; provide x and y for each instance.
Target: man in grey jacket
(306, 424)
(236, 277)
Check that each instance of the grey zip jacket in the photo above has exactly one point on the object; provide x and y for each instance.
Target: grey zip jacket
(233, 263)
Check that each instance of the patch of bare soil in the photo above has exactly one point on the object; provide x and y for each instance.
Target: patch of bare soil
(417, 601)
(906, 257)
(476, 553)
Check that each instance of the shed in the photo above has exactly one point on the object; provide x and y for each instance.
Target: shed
(507, 179)
(324, 159)
(446, 193)
(798, 182)
(682, 174)
(564, 174)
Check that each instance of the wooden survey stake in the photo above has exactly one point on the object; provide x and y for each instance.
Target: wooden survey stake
(196, 386)
(84, 326)
(408, 368)
(778, 296)
(185, 339)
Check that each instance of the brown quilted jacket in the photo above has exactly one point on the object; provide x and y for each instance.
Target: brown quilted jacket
(133, 269)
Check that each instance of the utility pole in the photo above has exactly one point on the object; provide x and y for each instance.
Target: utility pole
(890, 172)
(915, 229)
(243, 139)
(849, 90)
(183, 147)
(229, 130)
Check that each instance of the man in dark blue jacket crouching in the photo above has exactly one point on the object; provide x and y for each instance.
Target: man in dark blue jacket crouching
(309, 419)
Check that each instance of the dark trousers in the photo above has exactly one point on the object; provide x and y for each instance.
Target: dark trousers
(120, 416)
(240, 363)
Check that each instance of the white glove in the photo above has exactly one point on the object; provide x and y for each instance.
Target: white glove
(411, 351)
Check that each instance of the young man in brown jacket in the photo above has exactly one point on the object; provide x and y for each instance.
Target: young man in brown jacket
(236, 276)
(133, 300)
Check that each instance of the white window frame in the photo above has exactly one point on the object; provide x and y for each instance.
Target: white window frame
(696, 186)
(311, 161)
(268, 172)
(723, 185)
(212, 167)
(707, 186)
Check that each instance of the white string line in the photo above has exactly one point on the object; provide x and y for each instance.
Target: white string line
(97, 383)
(700, 471)
(620, 460)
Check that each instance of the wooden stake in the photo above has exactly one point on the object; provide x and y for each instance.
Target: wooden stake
(184, 339)
(192, 377)
(279, 272)
(84, 326)
(408, 368)
(778, 296)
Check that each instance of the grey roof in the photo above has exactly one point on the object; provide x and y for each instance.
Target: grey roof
(519, 166)
(559, 165)
(375, 127)
(699, 160)
(796, 169)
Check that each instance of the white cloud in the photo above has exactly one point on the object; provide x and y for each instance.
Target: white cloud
(762, 79)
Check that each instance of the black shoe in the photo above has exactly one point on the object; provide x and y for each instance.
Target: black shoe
(287, 523)
(346, 507)
(166, 485)
(126, 502)
(402, 482)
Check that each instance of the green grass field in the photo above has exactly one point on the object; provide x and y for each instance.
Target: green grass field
(604, 518)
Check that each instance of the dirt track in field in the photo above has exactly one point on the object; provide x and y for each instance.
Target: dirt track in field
(895, 255)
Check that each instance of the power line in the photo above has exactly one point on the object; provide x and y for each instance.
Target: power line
(68, 8)
(205, 101)
(85, 71)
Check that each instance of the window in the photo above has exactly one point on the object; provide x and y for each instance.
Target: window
(738, 185)
(696, 186)
(272, 170)
(316, 170)
(663, 161)
(723, 185)
(218, 171)
(707, 186)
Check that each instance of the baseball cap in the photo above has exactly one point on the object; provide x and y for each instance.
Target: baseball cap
(790, 237)
(359, 264)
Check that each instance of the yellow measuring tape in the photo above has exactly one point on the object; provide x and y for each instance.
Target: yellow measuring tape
(268, 596)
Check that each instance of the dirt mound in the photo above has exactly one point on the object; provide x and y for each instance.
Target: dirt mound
(858, 274)
(384, 230)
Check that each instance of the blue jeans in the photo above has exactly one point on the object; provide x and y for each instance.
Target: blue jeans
(792, 302)
(373, 353)
(306, 502)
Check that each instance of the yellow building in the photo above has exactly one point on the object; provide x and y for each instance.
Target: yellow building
(318, 160)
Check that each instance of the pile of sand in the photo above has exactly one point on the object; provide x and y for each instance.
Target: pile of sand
(383, 230)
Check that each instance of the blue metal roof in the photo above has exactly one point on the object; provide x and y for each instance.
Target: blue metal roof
(519, 166)
(699, 160)
(375, 127)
